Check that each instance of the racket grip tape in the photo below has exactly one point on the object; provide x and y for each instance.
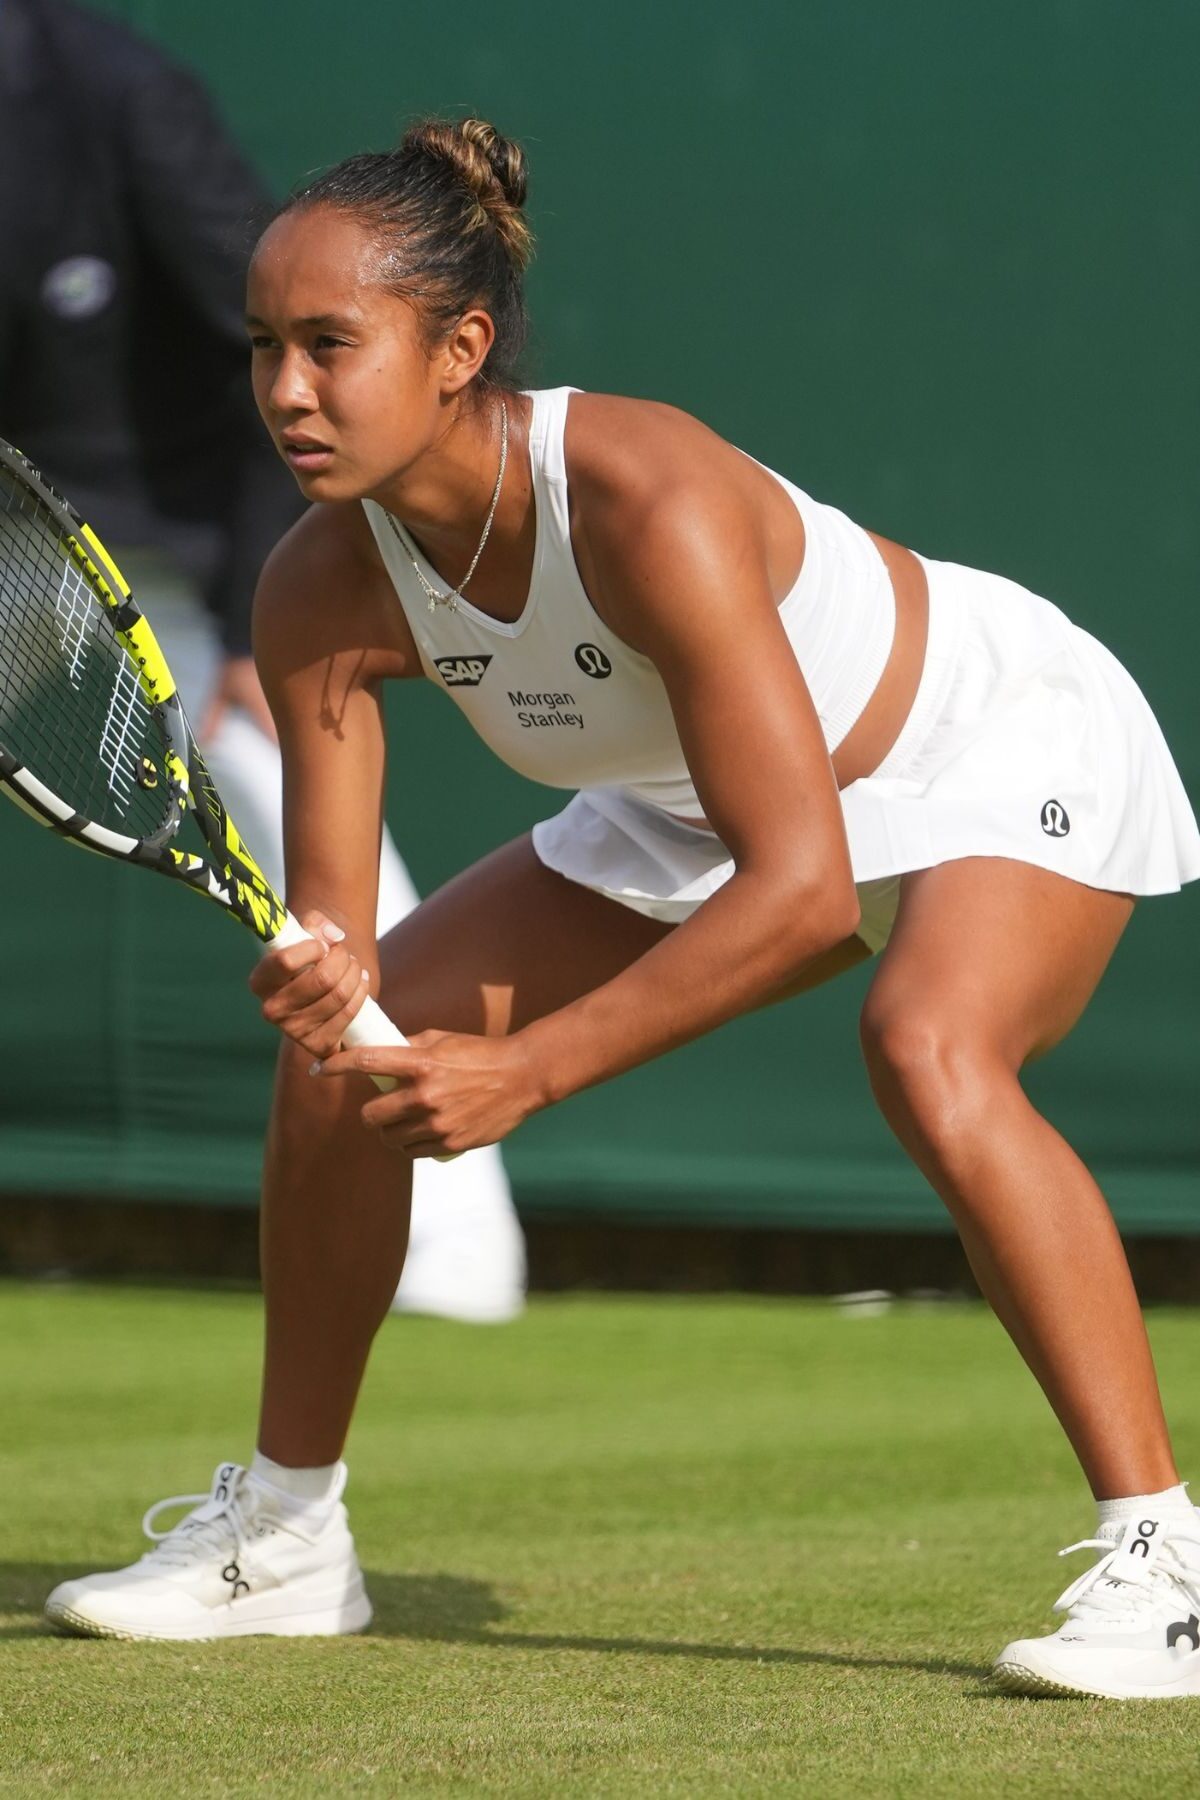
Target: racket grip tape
(370, 1026)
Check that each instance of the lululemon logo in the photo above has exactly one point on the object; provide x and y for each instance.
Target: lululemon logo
(593, 661)
(1055, 822)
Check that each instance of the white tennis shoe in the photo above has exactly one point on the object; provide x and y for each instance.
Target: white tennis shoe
(242, 1562)
(1132, 1630)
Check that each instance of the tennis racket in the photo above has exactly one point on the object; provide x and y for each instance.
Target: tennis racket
(94, 742)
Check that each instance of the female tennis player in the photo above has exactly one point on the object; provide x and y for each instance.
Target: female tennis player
(793, 745)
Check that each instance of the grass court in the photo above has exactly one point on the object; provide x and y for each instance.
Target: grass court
(626, 1547)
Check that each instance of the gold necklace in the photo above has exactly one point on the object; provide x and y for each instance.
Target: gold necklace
(434, 597)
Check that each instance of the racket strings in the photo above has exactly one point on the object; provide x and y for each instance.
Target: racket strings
(73, 607)
(72, 710)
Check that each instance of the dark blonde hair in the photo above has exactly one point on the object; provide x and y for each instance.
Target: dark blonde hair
(447, 209)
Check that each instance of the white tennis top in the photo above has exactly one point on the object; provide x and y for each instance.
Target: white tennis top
(561, 699)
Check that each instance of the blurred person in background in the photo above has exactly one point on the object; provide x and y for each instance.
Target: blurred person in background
(126, 215)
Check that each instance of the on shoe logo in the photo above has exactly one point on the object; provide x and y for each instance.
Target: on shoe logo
(1186, 1628)
(233, 1575)
(1141, 1544)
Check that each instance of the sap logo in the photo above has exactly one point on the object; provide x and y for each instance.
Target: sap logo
(461, 671)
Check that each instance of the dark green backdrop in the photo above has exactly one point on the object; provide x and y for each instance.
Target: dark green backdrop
(939, 264)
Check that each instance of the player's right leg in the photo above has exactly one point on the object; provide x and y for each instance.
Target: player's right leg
(500, 945)
(466, 1256)
(269, 1550)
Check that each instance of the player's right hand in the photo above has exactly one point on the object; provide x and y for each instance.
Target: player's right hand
(312, 990)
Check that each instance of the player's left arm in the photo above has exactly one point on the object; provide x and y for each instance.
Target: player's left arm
(687, 576)
(684, 578)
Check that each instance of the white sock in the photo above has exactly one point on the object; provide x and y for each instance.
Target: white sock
(1172, 1503)
(304, 1488)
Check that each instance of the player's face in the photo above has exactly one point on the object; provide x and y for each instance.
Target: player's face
(342, 374)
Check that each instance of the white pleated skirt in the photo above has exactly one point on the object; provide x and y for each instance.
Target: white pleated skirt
(1027, 739)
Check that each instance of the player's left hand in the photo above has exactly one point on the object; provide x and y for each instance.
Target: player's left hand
(453, 1092)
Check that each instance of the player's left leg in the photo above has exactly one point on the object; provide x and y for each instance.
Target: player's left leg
(990, 964)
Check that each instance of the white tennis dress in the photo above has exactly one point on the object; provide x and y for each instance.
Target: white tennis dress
(1027, 738)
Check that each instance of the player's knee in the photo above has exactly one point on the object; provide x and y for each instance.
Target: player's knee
(902, 1045)
(932, 1068)
(304, 1106)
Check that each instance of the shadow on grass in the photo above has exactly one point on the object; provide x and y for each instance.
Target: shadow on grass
(454, 1609)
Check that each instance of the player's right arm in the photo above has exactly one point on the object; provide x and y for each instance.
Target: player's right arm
(327, 632)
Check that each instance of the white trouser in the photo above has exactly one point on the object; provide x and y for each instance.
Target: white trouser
(469, 1197)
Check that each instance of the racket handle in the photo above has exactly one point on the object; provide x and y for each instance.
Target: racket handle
(369, 1026)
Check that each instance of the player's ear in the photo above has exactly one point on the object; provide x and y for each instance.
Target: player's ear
(463, 353)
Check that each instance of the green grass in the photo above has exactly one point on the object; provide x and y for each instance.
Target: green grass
(626, 1547)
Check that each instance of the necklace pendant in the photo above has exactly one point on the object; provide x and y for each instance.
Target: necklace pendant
(450, 600)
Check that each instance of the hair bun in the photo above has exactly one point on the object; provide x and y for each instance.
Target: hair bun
(490, 167)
